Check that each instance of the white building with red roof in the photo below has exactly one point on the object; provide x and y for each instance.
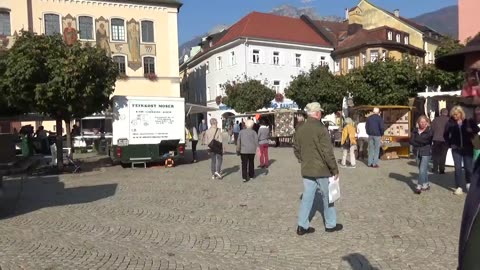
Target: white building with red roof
(261, 46)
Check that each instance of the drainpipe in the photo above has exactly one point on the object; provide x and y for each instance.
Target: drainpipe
(30, 15)
(245, 44)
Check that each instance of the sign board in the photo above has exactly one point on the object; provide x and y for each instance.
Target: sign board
(148, 120)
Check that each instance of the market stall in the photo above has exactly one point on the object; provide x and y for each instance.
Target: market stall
(398, 125)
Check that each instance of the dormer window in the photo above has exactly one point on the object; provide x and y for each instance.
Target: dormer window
(210, 43)
(406, 40)
(390, 35)
(398, 38)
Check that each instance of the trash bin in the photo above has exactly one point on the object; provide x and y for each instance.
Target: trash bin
(27, 147)
(102, 146)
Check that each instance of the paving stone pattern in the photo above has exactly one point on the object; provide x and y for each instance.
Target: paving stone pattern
(179, 218)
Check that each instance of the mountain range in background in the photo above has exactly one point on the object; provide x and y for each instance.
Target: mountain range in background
(444, 21)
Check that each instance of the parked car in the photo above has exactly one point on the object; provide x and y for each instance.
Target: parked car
(331, 125)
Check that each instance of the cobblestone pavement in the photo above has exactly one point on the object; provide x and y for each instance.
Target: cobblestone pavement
(179, 218)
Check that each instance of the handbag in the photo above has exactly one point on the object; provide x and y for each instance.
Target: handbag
(215, 146)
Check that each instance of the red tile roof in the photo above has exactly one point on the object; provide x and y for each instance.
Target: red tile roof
(337, 31)
(273, 27)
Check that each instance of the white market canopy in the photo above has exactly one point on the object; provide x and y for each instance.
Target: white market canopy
(440, 94)
(195, 108)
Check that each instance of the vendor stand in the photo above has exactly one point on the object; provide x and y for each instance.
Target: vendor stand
(282, 122)
(398, 125)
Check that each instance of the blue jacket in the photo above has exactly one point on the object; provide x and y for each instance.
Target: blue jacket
(374, 125)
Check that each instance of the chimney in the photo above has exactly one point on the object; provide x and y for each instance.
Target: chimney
(397, 12)
(346, 14)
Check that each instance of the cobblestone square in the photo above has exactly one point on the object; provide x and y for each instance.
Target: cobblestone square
(179, 218)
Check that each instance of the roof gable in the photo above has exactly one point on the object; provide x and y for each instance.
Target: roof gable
(274, 27)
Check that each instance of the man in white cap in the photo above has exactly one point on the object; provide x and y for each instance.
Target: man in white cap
(314, 151)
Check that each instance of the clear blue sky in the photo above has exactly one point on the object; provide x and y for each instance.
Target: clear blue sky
(199, 16)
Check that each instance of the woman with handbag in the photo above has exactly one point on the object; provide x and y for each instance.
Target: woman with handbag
(213, 138)
(246, 147)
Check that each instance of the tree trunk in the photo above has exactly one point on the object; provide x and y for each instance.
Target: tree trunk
(59, 145)
(69, 135)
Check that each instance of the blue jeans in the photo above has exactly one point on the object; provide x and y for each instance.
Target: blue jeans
(309, 190)
(373, 150)
(216, 165)
(466, 156)
(422, 162)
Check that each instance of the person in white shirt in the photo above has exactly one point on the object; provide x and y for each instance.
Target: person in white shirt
(362, 139)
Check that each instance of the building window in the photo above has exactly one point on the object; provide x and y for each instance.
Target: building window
(148, 65)
(390, 35)
(298, 60)
(207, 67)
(398, 37)
(276, 86)
(337, 65)
(208, 93)
(220, 90)
(52, 24)
(219, 63)
(373, 56)
(147, 31)
(233, 58)
(323, 63)
(364, 59)
(406, 40)
(276, 58)
(85, 27)
(118, 30)
(256, 56)
(5, 27)
(384, 55)
(351, 62)
(120, 62)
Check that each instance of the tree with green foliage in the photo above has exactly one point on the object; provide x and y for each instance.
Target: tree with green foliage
(386, 82)
(320, 85)
(433, 77)
(46, 76)
(248, 96)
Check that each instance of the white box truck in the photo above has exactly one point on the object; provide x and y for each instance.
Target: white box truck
(147, 129)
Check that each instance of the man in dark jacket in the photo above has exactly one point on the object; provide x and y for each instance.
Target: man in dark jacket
(375, 128)
(314, 151)
(440, 147)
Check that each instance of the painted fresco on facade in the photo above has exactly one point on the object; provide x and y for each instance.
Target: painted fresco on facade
(102, 38)
(69, 29)
(133, 31)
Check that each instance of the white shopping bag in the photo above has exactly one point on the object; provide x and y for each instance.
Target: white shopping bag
(333, 189)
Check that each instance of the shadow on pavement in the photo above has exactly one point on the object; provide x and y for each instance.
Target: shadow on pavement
(446, 181)
(25, 195)
(358, 262)
(231, 170)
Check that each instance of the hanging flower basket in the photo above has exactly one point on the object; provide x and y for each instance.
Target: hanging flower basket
(279, 98)
(151, 76)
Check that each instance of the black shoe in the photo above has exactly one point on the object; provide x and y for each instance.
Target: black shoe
(337, 228)
(246, 180)
(442, 172)
(301, 231)
(418, 191)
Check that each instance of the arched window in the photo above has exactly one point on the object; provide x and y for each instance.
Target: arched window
(147, 31)
(118, 29)
(5, 27)
(120, 61)
(85, 27)
(52, 24)
(148, 65)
